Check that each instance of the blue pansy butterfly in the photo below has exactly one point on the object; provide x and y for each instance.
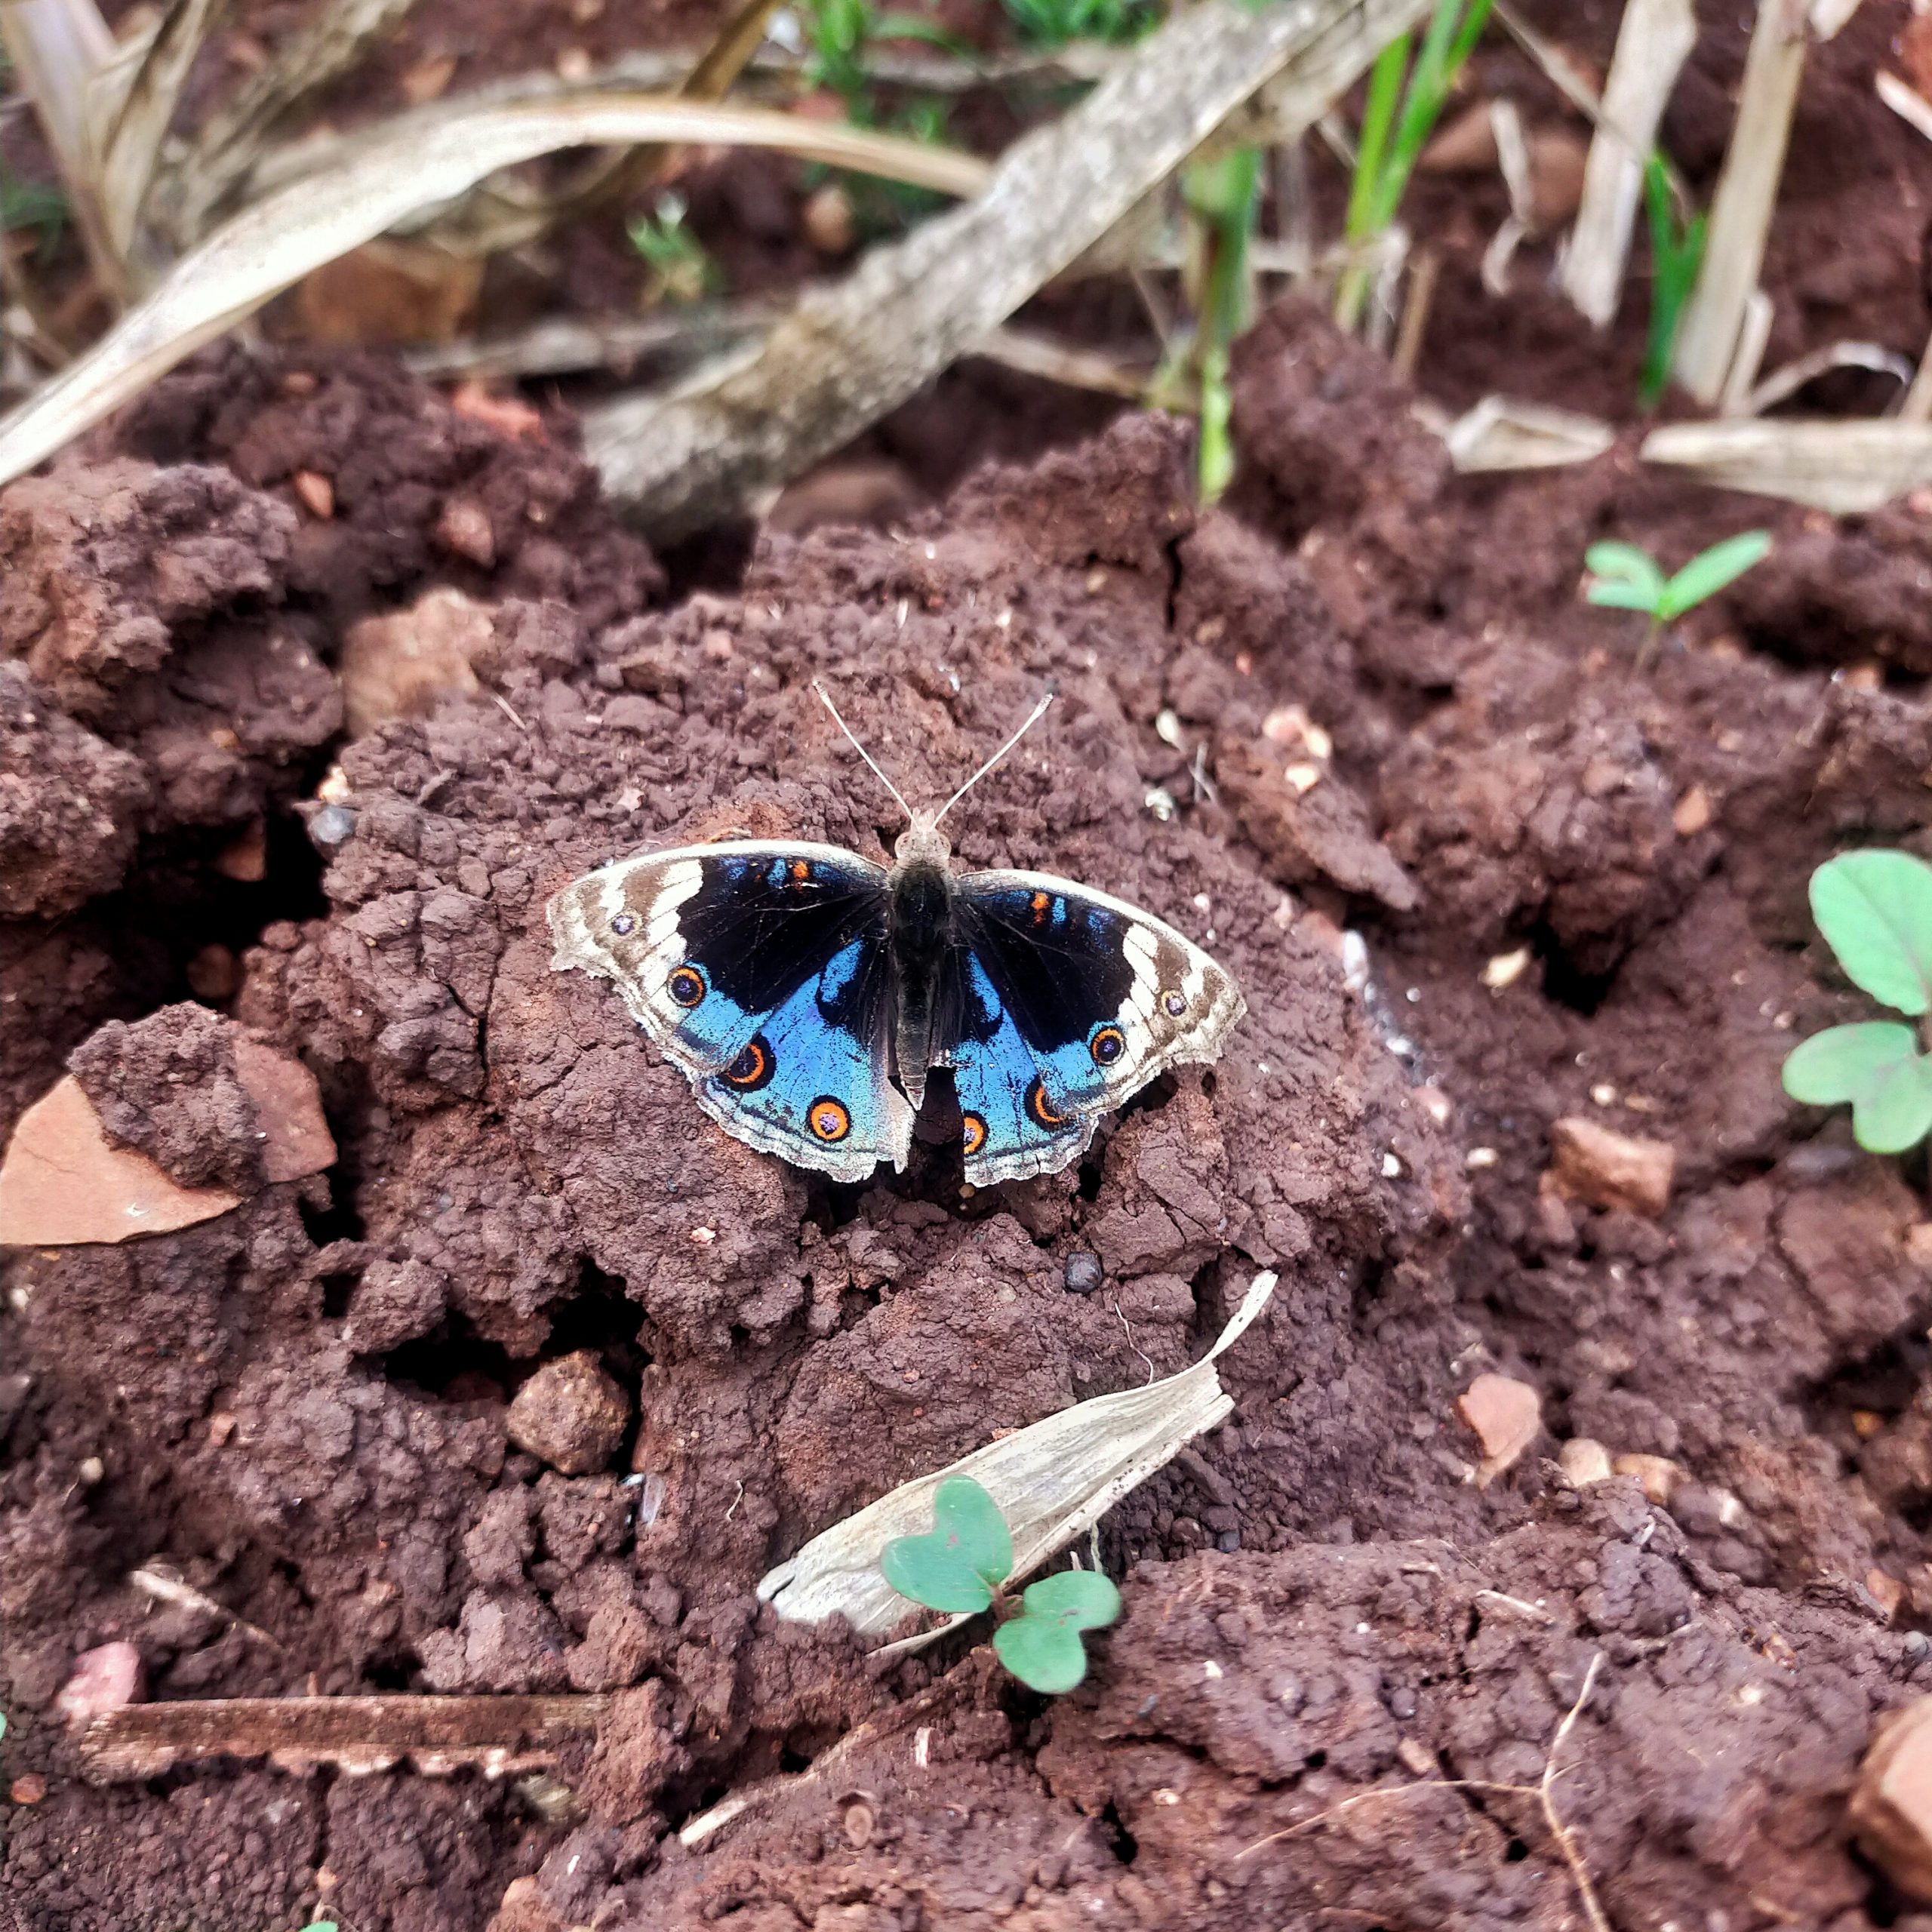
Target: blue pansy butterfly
(806, 992)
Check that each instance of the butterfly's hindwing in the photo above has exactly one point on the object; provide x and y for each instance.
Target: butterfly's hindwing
(760, 969)
(1068, 1002)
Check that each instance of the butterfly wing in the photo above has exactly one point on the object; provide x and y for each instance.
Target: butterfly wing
(1065, 1002)
(761, 969)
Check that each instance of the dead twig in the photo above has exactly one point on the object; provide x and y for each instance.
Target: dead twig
(165, 1588)
(740, 429)
(499, 1735)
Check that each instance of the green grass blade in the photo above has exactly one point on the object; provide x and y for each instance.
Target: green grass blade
(1705, 575)
(1874, 909)
(1385, 91)
(1444, 49)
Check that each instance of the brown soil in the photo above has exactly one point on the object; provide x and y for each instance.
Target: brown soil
(1334, 1695)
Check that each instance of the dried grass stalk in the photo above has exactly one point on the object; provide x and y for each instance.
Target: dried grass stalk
(1847, 468)
(1052, 1482)
(1652, 44)
(388, 174)
(1741, 209)
(741, 428)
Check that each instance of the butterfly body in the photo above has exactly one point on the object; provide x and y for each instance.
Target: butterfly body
(806, 992)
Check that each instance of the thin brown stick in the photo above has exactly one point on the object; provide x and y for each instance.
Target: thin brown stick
(359, 1734)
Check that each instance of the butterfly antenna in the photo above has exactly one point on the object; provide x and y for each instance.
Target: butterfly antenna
(1033, 718)
(825, 699)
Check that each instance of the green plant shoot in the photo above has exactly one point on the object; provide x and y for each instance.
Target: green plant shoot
(1874, 909)
(682, 270)
(1625, 578)
(957, 1567)
(1223, 197)
(1052, 23)
(1677, 253)
(1403, 107)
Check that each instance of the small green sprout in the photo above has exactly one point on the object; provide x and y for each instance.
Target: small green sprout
(1052, 23)
(1874, 909)
(1390, 141)
(1222, 199)
(1628, 579)
(1677, 253)
(958, 1566)
(681, 269)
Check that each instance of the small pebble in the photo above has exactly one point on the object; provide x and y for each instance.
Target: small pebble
(1227, 1542)
(333, 826)
(1083, 1272)
(105, 1678)
(570, 1414)
(1890, 1810)
(29, 1787)
(1505, 1416)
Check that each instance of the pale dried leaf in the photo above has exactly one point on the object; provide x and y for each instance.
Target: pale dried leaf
(387, 176)
(1052, 1481)
(1847, 468)
(1499, 434)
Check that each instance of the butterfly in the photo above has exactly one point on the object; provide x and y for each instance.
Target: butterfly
(806, 992)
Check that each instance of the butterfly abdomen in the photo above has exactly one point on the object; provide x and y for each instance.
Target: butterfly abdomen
(921, 919)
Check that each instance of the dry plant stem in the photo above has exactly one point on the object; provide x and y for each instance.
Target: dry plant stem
(1415, 314)
(188, 198)
(1741, 209)
(146, 87)
(391, 173)
(357, 1733)
(1652, 44)
(497, 217)
(1917, 407)
(1907, 103)
(739, 430)
(58, 47)
(1543, 1790)
(1846, 468)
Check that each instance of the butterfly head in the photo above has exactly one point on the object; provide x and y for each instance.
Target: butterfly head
(922, 842)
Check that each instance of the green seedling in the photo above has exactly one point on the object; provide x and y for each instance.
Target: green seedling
(1677, 253)
(1627, 579)
(1402, 109)
(958, 1566)
(1052, 23)
(1874, 909)
(1222, 198)
(681, 271)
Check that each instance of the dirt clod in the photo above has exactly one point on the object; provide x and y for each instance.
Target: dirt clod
(1890, 1810)
(398, 666)
(1584, 1461)
(103, 1679)
(1505, 1416)
(571, 1414)
(1608, 1170)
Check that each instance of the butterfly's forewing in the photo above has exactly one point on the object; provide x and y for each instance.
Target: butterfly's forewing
(1066, 1002)
(760, 969)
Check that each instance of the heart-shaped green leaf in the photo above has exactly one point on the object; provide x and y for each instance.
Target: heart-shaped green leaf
(1875, 908)
(1876, 1065)
(955, 1565)
(1041, 1646)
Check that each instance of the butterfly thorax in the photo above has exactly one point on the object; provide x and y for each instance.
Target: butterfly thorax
(920, 919)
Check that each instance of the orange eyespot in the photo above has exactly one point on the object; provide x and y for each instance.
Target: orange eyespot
(686, 986)
(752, 1068)
(827, 1119)
(976, 1133)
(1041, 1108)
(1041, 902)
(801, 870)
(1107, 1045)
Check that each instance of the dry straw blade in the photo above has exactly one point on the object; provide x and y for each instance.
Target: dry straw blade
(394, 173)
(1052, 1482)
(1847, 468)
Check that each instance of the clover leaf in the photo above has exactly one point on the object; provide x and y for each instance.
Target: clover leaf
(961, 1562)
(1041, 1646)
(1874, 909)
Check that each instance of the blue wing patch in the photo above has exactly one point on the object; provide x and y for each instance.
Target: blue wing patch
(760, 969)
